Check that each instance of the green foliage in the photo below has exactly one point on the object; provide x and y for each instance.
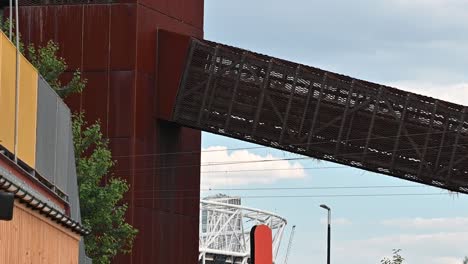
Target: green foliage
(49, 64)
(100, 207)
(396, 258)
(51, 67)
(465, 261)
(5, 27)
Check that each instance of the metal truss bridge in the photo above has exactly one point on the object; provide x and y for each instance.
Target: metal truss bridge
(320, 114)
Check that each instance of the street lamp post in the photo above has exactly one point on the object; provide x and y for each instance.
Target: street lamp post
(329, 231)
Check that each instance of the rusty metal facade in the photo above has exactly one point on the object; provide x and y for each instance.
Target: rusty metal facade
(324, 115)
(116, 48)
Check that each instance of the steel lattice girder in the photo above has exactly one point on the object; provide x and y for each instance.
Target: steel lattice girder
(324, 115)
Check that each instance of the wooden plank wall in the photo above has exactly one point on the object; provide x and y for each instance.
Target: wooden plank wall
(32, 238)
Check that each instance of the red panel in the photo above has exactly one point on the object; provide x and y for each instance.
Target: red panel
(74, 102)
(261, 250)
(49, 19)
(188, 13)
(145, 133)
(97, 87)
(146, 50)
(123, 37)
(145, 122)
(175, 9)
(120, 148)
(35, 24)
(96, 45)
(161, 6)
(122, 85)
(173, 50)
(191, 13)
(69, 34)
(148, 24)
(119, 59)
(189, 177)
(143, 221)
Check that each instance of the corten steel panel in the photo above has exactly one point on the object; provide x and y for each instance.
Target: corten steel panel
(120, 151)
(143, 217)
(46, 131)
(7, 94)
(184, 12)
(168, 137)
(121, 105)
(309, 111)
(27, 113)
(69, 34)
(148, 24)
(144, 145)
(31, 17)
(133, 128)
(97, 87)
(62, 147)
(173, 50)
(96, 45)
(123, 34)
(171, 176)
(189, 177)
(144, 118)
(172, 235)
(49, 19)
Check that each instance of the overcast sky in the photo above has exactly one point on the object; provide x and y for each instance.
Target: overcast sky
(417, 45)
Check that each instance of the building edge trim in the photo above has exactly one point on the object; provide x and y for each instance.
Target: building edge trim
(44, 208)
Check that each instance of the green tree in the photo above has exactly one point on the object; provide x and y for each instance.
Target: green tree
(46, 60)
(465, 261)
(100, 201)
(396, 258)
(51, 67)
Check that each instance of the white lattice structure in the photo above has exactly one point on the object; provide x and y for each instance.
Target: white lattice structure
(225, 230)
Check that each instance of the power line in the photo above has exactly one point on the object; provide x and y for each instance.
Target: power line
(144, 170)
(285, 169)
(276, 147)
(285, 159)
(307, 196)
(286, 188)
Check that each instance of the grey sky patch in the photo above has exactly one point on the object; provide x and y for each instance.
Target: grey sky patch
(382, 41)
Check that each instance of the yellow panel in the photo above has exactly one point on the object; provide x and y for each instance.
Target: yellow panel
(2, 38)
(27, 113)
(7, 94)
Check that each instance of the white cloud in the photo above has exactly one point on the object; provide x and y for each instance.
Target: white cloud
(422, 240)
(455, 93)
(231, 173)
(456, 223)
(428, 248)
